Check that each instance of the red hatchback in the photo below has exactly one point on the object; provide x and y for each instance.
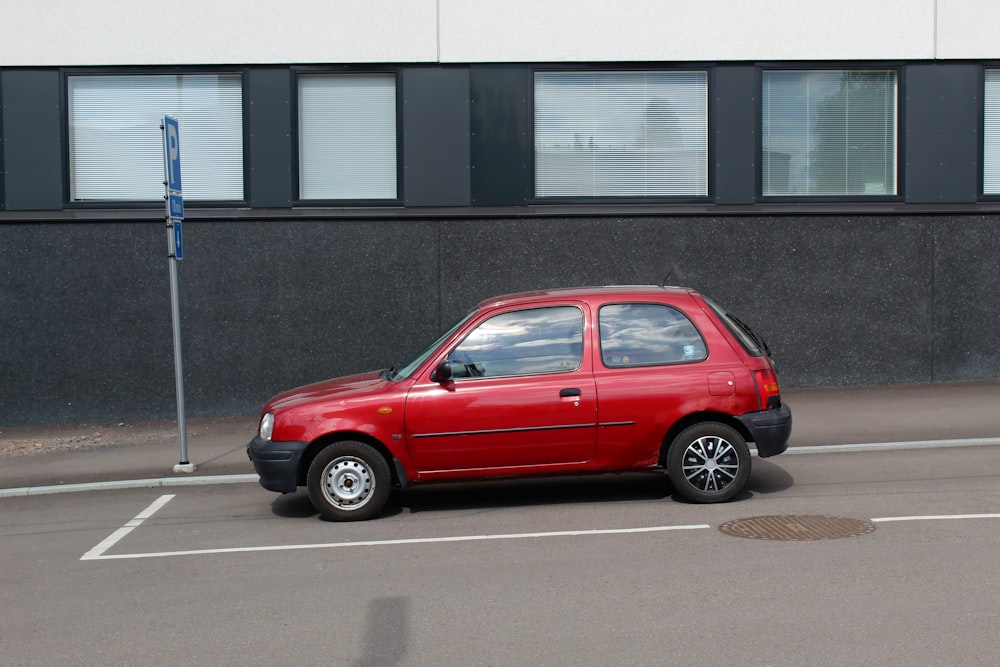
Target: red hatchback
(565, 381)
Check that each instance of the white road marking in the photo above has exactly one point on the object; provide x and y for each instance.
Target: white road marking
(936, 517)
(95, 554)
(98, 552)
(890, 446)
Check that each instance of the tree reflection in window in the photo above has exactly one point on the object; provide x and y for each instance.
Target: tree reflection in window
(829, 133)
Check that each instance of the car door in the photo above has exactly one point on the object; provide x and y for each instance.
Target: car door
(521, 393)
(652, 369)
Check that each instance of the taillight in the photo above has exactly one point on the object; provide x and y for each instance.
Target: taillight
(767, 389)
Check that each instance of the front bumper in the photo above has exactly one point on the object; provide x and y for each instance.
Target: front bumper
(769, 429)
(277, 463)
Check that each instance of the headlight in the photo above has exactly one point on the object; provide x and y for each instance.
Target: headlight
(266, 426)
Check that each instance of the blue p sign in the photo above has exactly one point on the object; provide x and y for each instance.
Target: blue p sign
(172, 139)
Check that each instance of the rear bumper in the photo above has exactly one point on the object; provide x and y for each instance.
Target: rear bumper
(769, 429)
(277, 463)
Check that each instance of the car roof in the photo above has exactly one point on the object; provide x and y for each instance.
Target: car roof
(599, 293)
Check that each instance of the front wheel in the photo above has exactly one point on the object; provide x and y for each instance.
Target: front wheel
(348, 481)
(708, 463)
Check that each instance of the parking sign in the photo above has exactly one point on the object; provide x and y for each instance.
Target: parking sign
(172, 153)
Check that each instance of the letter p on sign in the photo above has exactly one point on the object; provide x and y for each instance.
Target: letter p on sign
(173, 140)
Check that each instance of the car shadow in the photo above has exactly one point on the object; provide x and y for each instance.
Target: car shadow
(293, 505)
(489, 494)
(767, 477)
(298, 506)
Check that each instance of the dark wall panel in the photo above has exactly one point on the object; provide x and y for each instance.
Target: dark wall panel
(436, 154)
(735, 91)
(943, 110)
(834, 315)
(501, 141)
(966, 298)
(32, 140)
(85, 311)
(269, 115)
(269, 304)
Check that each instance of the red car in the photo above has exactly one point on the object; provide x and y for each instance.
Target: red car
(565, 381)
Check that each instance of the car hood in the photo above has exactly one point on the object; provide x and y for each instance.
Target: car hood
(337, 388)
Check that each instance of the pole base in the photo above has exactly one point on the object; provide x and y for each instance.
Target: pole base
(184, 467)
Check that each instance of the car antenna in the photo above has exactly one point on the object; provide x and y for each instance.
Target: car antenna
(673, 267)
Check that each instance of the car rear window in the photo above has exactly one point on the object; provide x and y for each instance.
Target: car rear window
(750, 341)
(648, 334)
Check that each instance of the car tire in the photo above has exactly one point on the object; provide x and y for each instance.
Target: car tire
(708, 463)
(349, 481)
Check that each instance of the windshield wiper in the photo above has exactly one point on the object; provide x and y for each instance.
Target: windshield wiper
(750, 332)
(389, 373)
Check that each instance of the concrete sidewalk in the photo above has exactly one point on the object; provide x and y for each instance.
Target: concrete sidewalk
(82, 454)
(857, 415)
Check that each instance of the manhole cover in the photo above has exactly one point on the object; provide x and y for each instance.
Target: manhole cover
(796, 527)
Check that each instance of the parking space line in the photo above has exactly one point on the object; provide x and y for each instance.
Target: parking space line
(935, 517)
(98, 552)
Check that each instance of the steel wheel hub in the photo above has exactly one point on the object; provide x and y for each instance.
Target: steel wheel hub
(348, 482)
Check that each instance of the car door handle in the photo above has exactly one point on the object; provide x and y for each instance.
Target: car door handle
(569, 391)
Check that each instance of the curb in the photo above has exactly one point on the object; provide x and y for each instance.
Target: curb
(208, 480)
(128, 484)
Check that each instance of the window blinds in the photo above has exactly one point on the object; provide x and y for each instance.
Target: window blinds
(621, 134)
(829, 133)
(991, 134)
(347, 136)
(115, 144)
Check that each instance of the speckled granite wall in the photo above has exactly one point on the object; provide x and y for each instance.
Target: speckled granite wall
(267, 305)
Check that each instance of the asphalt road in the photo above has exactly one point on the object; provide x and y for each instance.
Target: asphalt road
(608, 570)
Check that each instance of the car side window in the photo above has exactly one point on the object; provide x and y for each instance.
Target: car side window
(522, 342)
(648, 334)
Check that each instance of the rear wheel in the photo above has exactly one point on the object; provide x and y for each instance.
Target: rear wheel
(708, 463)
(348, 481)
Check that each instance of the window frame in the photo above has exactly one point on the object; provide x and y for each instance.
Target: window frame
(825, 66)
(981, 193)
(3, 173)
(67, 186)
(347, 70)
(657, 364)
(532, 162)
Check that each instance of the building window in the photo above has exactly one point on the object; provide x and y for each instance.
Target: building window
(621, 134)
(829, 133)
(347, 136)
(116, 147)
(991, 133)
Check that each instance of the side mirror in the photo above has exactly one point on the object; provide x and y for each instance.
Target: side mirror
(443, 372)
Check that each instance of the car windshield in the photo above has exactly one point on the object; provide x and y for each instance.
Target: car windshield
(753, 343)
(411, 366)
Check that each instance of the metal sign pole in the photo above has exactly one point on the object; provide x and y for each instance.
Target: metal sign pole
(175, 311)
(175, 213)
